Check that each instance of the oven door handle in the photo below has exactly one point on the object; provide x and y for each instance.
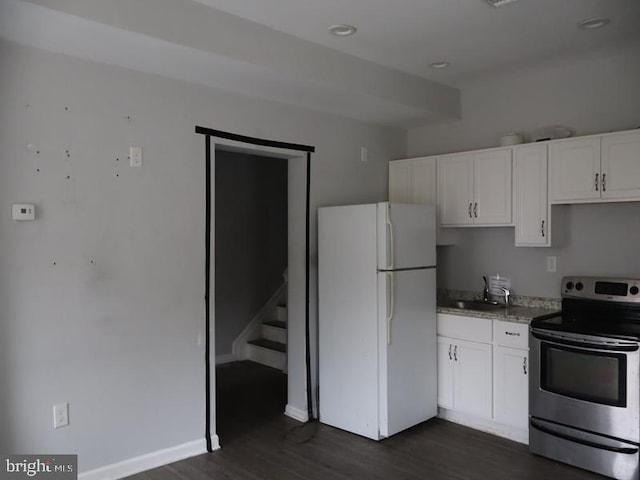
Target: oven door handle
(563, 340)
(564, 436)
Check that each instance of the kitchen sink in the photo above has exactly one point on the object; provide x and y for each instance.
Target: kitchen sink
(473, 305)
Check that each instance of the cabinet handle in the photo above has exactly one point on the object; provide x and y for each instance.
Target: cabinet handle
(475, 210)
(470, 216)
(596, 181)
(524, 365)
(450, 357)
(542, 228)
(455, 353)
(604, 182)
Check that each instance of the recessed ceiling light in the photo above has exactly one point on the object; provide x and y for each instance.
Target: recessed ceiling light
(439, 64)
(342, 30)
(593, 23)
(500, 3)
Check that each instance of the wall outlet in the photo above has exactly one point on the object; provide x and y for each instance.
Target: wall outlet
(551, 264)
(23, 211)
(61, 415)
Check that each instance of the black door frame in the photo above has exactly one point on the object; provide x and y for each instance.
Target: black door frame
(308, 150)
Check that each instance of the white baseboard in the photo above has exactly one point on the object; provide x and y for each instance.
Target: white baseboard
(148, 461)
(486, 425)
(252, 330)
(226, 358)
(296, 414)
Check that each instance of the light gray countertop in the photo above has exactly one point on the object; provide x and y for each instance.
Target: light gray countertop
(522, 310)
(515, 313)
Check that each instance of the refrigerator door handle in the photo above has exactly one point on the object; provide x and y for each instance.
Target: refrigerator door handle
(391, 306)
(390, 246)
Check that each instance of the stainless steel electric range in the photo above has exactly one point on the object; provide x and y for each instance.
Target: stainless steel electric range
(584, 382)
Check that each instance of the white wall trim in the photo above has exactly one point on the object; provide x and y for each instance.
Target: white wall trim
(225, 358)
(252, 330)
(296, 414)
(148, 461)
(486, 425)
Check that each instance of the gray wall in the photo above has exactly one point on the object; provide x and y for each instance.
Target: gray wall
(113, 327)
(597, 93)
(251, 239)
(594, 240)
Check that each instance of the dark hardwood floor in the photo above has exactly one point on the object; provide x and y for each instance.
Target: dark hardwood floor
(260, 443)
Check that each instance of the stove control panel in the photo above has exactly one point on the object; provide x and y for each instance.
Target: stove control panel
(625, 290)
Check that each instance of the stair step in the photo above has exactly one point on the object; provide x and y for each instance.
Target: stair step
(279, 313)
(269, 344)
(276, 323)
(257, 352)
(274, 333)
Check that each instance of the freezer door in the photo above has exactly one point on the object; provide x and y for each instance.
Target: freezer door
(406, 236)
(347, 323)
(408, 348)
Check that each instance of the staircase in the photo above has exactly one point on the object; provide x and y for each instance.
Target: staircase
(270, 348)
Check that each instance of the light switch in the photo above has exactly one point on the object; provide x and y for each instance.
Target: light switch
(135, 156)
(23, 211)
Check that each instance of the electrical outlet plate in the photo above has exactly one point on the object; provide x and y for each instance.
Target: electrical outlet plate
(23, 211)
(60, 415)
(551, 264)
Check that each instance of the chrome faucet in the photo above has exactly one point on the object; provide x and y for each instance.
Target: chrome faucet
(507, 295)
(485, 291)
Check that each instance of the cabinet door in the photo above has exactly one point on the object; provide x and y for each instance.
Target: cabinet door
(492, 187)
(424, 180)
(455, 189)
(621, 166)
(511, 386)
(445, 372)
(574, 169)
(472, 378)
(400, 181)
(530, 196)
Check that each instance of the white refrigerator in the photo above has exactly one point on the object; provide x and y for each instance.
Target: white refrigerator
(377, 317)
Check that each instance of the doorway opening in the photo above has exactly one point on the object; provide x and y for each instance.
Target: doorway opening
(251, 250)
(299, 402)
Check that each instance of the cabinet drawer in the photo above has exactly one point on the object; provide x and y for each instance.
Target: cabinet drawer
(465, 328)
(509, 334)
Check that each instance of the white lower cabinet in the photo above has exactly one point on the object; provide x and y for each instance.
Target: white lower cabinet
(511, 373)
(464, 376)
(483, 377)
(511, 386)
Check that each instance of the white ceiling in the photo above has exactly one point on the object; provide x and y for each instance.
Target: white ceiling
(474, 36)
(281, 50)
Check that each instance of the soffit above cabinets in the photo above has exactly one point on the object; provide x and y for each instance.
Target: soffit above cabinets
(192, 42)
(381, 74)
(475, 37)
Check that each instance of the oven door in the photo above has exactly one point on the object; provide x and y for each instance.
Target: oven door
(587, 382)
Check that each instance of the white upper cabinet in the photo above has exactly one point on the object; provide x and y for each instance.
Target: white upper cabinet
(400, 184)
(475, 188)
(414, 180)
(574, 169)
(621, 166)
(598, 168)
(424, 180)
(531, 208)
(455, 193)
